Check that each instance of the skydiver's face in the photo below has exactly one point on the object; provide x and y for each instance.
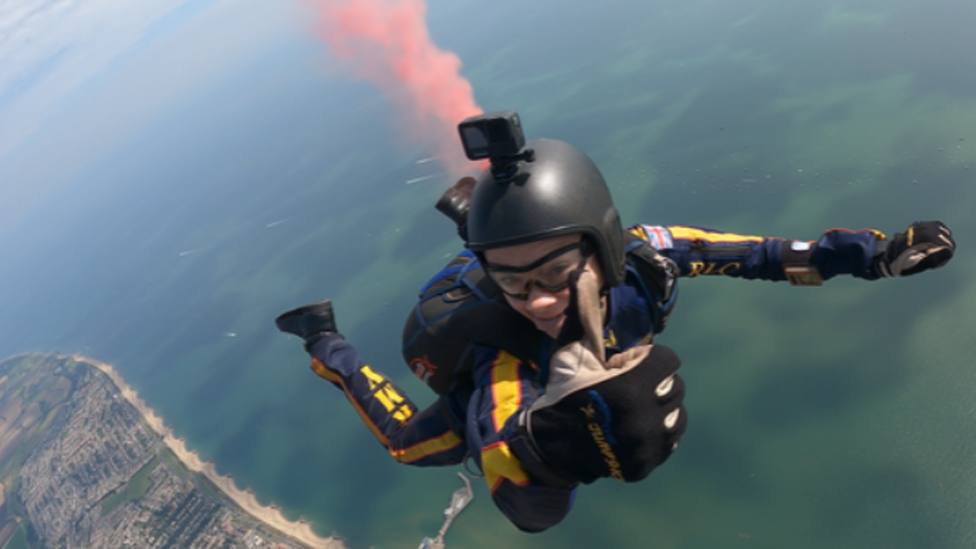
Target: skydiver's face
(537, 293)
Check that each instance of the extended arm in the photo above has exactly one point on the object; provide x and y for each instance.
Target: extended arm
(865, 254)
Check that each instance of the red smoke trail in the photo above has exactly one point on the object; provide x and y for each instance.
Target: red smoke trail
(386, 42)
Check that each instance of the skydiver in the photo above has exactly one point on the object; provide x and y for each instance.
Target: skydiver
(507, 334)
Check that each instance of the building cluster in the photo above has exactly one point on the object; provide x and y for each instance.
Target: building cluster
(174, 513)
(96, 480)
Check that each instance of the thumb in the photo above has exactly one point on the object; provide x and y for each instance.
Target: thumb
(584, 317)
(921, 257)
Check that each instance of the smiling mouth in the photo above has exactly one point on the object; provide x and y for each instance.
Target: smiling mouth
(548, 321)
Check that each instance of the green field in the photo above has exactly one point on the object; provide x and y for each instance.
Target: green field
(137, 487)
(18, 541)
(169, 458)
(12, 502)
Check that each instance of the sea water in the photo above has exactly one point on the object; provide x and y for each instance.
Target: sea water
(830, 417)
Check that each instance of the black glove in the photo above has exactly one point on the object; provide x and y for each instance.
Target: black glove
(310, 322)
(634, 396)
(924, 245)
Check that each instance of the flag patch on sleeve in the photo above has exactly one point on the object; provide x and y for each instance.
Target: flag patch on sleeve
(658, 236)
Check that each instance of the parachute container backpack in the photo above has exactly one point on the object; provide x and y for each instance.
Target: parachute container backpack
(458, 308)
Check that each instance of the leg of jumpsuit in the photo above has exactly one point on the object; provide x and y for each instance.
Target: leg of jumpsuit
(422, 439)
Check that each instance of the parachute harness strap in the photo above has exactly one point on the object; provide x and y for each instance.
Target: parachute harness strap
(451, 270)
(467, 468)
(650, 268)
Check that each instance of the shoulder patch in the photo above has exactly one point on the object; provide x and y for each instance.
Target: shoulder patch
(657, 236)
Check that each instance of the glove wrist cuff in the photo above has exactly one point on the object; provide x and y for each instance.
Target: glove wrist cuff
(881, 262)
(798, 266)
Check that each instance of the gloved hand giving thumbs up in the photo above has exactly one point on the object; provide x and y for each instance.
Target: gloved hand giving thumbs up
(618, 418)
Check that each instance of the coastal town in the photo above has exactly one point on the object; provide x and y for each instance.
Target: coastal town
(84, 464)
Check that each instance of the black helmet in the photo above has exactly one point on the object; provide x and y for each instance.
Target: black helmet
(561, 192)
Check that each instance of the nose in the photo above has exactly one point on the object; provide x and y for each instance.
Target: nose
(541, 301)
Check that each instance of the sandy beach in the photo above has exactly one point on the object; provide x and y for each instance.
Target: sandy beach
(300, 530)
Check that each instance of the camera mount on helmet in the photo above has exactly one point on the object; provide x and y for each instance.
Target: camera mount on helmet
(530, 193)
(498, 137)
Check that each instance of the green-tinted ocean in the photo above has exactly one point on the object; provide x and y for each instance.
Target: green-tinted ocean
(835, 417)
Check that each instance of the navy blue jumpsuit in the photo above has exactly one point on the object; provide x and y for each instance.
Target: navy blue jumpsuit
(477, 419)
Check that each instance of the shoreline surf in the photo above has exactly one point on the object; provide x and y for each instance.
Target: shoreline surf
(270, 515)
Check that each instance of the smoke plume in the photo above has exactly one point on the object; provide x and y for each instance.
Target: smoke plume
(386, 42)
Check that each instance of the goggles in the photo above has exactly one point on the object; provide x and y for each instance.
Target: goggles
(549, 273)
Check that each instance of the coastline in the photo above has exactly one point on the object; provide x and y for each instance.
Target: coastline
(300, 530)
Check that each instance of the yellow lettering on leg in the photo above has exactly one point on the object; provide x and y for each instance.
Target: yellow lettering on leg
(403, 414)
(375, 380)
(388, 397)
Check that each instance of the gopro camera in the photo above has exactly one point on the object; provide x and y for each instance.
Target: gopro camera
(493, 136)
(498, 137)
